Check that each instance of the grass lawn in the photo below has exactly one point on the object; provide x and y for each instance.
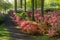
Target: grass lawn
(45, 37)
(4, 34)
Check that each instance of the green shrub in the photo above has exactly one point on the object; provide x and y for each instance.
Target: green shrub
(58, 29)
(22, 15)
(19, 11)
(49, 9)
(2, 19)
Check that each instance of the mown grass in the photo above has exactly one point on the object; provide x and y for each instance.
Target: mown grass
(4, 34)
(46, 37)
(42, 38)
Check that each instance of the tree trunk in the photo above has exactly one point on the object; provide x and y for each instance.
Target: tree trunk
(25, 5)
(42, 7)
(32, 9)
(15, 5)
(21, 3)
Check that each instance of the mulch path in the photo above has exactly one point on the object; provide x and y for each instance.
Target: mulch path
(15, 33)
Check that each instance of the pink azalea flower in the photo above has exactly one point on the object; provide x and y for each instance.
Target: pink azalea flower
(51, 32)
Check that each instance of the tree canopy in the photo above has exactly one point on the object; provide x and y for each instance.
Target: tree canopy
(5, 5)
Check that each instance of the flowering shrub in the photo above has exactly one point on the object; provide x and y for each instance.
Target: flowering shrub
(28, 14)
(50, 18)
(52, 32)
(29, 27)
(49, 22)
(26, 26)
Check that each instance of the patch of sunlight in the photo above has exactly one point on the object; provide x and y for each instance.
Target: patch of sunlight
(4, 38)
(17, 27)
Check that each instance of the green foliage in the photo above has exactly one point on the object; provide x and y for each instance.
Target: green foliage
(2, 19)
(29, 4)
(28, 18)
(4, 34)
(19, 11)
(43, 38)
(38, 3)
(1, 4)
(49, 9)
(5, 5)
(22, 14)
(58, 28)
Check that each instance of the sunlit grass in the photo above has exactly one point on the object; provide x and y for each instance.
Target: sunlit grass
(4, 34)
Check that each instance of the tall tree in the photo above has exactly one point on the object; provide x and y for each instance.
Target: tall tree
(21, 3)
(25, 5)
(15, 2)
(42, 7)
(32, 1)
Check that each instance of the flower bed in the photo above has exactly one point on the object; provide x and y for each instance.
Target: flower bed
(48, 24)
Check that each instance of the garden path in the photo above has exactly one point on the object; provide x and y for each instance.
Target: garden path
(15, 33)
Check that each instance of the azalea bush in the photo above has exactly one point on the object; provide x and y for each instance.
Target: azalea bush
(51, 19)
(48, 24)
(29, 27)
